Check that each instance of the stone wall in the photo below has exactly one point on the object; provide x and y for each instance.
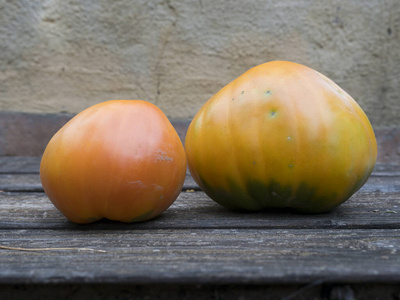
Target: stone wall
(65, 55)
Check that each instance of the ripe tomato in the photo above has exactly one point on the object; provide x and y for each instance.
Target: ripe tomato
(281, 135)
(121, 160)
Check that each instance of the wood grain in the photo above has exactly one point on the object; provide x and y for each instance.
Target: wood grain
(201, 256)
(375, 206)
(352, 251)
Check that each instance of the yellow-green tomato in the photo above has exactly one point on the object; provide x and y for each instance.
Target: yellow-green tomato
(121, 160)
(281, 135)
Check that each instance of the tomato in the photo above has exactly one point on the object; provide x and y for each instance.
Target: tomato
(281, 135)
(121, 160)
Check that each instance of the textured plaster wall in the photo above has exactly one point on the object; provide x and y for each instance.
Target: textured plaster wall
(65, 55)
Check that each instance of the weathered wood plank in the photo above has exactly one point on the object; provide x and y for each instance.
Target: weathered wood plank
(315, 290)
(391, 170)
(375, 206)
(19, 164)
(31, 183)
(22, 174)
(27, 133)
(30, 165)
(20, 183)
(217, 256)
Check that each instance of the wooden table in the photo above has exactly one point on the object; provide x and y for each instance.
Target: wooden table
(198, 249)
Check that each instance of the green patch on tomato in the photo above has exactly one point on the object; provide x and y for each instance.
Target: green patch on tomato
(258, 195)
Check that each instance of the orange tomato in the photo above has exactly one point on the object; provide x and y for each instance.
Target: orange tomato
(121, 160)
(281, 135)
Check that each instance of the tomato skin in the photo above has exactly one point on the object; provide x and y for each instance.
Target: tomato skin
(120, 159)
(281, 135)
